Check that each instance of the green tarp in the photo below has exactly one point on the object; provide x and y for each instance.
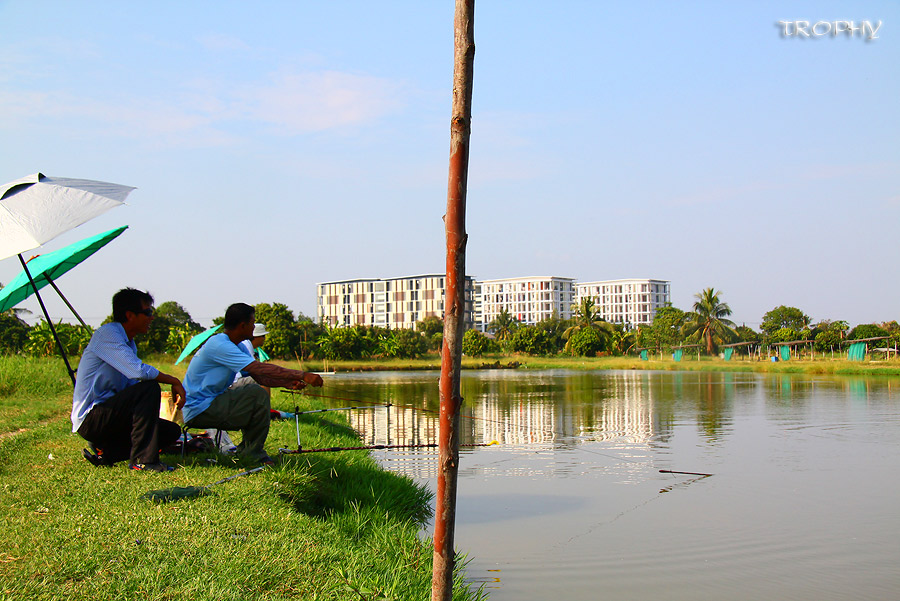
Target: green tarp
(857, 351)
(785, 353)
(644, 356)
(678, 353)
(728, 353)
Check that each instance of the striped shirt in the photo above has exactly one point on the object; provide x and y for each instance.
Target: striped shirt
(108, 365)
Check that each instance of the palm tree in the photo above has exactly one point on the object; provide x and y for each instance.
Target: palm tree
(708, 321)
(622, 340)
(503, 325)
(587, 315)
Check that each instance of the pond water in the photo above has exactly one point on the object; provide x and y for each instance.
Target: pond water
(803, 503)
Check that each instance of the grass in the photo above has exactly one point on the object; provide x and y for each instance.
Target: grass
(321, 526)
(837, 366)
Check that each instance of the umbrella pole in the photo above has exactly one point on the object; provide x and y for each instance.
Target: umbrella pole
(65, 300)
(49, 321)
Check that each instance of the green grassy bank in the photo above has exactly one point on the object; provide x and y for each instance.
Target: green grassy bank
(320, 526)
(837, 366)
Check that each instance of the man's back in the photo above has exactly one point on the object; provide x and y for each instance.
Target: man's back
(211, 372)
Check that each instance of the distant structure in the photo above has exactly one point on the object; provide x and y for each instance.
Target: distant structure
(388, 303)
(630, 302)
(528, 299)
(401, 302)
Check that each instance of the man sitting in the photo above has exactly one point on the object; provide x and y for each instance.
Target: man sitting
(115, 406)
(216, 400)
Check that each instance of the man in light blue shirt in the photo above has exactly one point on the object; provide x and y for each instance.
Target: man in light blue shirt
(215, 400)
(115, 405)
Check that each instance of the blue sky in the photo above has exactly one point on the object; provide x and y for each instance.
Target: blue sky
(279, 144)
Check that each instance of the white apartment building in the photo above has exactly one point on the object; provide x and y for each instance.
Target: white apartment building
(388, 303)
(528, 299)
(631, 302)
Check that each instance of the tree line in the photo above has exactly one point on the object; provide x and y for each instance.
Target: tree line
(585, 334)
(289, 336)
(706, 324)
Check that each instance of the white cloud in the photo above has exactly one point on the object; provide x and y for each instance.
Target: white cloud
(205, 112)
(311, 102)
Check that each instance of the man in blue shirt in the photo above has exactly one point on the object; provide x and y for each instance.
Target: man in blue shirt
(115, 406)
(215, 400)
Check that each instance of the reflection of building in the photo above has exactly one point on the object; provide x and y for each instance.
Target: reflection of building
(395, 425)
(629, 416)
(525, 417)
(528, 413)
(389, 303)
(630, 302)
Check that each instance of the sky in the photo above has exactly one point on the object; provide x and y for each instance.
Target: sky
(275, 145)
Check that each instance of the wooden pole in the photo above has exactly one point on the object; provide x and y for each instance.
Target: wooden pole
(454, 302)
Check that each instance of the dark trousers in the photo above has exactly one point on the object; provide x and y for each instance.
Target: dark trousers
(128, 426)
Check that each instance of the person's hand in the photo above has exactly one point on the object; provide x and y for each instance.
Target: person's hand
(312, 379)
(296, 385)
(178, 395)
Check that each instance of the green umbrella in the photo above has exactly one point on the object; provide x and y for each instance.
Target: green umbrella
(196, 342)
(45, 269)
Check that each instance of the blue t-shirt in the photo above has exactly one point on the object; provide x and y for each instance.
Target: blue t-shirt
(211, 372)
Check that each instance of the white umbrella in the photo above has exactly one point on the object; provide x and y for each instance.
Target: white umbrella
(37, 209)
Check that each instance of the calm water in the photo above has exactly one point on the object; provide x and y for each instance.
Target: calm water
(804, 502)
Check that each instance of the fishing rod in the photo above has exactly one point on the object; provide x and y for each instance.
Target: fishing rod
(684, 473)
(300, 449)
(341, 409)
(186, 492)
(376, 447)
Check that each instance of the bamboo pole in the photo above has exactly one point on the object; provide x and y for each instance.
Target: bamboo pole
(454, 302)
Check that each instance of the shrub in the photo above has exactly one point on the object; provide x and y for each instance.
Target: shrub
(476, 344)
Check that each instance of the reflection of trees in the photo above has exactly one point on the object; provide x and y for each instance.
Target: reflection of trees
(712, 404)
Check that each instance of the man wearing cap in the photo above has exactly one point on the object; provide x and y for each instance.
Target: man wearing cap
(115, 405)
(216, 400)
(256, 341)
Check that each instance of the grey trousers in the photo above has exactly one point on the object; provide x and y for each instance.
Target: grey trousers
(245, 407)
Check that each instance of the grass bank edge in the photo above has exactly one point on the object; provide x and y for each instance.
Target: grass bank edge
(330, 526)
(714, 364)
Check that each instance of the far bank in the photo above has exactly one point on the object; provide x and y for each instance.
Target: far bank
(837, 366)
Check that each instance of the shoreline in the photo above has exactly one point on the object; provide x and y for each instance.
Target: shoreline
(524, 362)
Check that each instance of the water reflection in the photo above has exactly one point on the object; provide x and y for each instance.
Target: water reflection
(801, 505)
(553, 406)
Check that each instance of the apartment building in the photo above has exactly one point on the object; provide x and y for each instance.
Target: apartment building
(528, 299)
(389, 303)
(631, 302)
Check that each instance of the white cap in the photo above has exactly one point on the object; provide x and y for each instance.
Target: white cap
(259, 330)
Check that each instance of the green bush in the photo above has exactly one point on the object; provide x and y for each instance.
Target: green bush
(532, 341)
(476, 344)
(587, 342)
(13, 334)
